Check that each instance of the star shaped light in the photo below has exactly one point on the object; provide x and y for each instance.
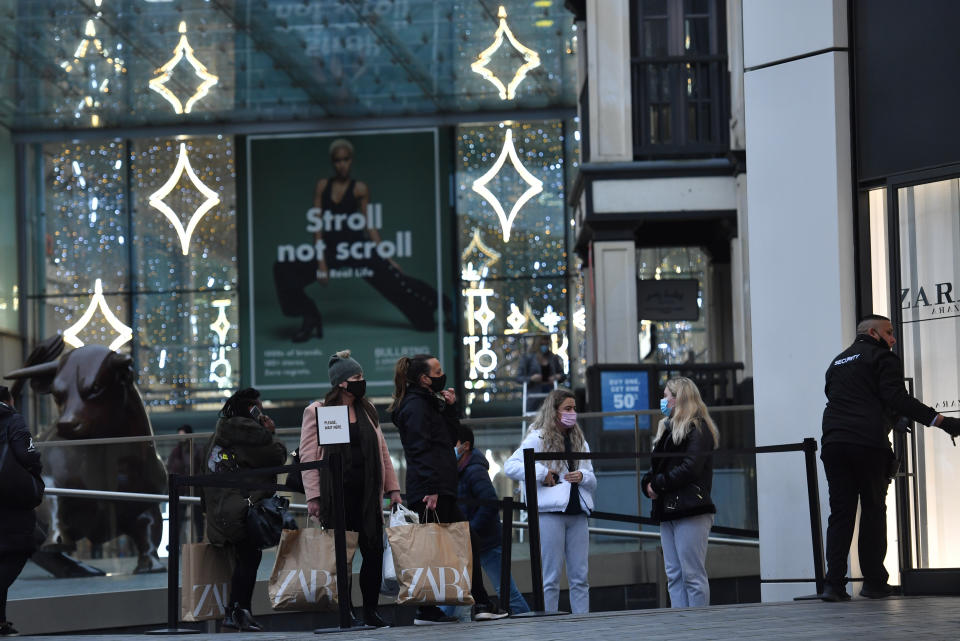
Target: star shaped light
(221, 325)
(531, 59)
(550, 319)
(156, 199)
(516, 320)
(98, 301)
(480, 185)
(181, 51)
(580, 319)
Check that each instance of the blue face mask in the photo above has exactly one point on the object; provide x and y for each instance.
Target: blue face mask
(457, 453)
(663, 407)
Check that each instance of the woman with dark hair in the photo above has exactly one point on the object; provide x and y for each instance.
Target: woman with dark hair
(679, 486)
(243, 440)
(565, 490)
(368, 474)
(425, 414)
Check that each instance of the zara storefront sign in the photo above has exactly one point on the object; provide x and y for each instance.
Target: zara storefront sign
(930, 300)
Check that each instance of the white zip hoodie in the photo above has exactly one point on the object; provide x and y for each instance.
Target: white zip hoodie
(555, 498)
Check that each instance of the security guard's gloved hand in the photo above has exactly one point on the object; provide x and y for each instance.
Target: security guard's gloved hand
(903, 425)
(950, 425)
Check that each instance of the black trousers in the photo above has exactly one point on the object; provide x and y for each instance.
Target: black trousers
(416, 299)
(244, 574)
(11, 564)
(448, 512)
(857, 474)
(370, 545)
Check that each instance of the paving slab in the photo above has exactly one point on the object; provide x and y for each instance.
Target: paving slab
(933, 618)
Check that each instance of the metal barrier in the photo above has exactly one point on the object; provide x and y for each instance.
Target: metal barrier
(530, 457)
(236, 479)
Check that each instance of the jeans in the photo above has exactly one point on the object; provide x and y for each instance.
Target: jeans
(490, 561)
(856, 473)
(684, 544)
(564, 537)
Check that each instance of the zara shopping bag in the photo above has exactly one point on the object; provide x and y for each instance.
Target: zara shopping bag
(206, 581)
(399, 516)
(433, 562)
(304, 576)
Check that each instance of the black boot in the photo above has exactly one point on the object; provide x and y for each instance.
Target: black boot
(230, 618)
(310, 325)
(370, 617)
(246, 621)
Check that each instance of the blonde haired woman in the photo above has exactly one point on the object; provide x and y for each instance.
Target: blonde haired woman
(565, 490)
(679, 486)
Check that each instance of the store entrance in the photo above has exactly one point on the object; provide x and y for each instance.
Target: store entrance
(915, 256)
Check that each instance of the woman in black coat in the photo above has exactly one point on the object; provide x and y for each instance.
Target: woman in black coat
(244, 439)
(679, 486)
(17, 522)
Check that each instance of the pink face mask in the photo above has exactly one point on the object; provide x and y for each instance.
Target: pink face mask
(568, 419)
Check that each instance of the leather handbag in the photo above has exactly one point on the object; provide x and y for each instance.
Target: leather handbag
(19, 487)
(688, 498)
(267, 519)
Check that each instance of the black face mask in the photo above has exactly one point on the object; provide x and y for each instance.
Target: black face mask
(357, 388)
(437, 382)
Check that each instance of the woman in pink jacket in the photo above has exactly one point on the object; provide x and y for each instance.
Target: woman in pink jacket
(368, 474)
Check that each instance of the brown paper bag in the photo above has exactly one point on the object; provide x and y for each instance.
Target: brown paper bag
(433, 562)
(206, 581)
(304, 576)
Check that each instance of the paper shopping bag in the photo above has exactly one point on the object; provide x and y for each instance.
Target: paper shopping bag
(206, 581)
(304, 576)
(433, 562)
(399, 515)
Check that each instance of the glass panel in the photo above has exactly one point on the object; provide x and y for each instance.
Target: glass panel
(696, 35)
(207, 197)
(181, 358)
(513, 261)
(87, 231)
(9, 288)
(655, 38)
(678, 341)
(929, 237)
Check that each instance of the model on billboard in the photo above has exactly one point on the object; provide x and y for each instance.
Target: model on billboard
(342, 195)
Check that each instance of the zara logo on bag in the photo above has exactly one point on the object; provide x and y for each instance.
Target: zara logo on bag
(310, 592)
(436, 579)
(216, 594)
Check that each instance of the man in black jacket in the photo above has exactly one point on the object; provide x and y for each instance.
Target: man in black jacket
(17, 522)
(865, 397)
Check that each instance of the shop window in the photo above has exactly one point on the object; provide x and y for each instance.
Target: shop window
(167, 292)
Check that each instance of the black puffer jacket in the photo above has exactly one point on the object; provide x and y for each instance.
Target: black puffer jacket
(865, 395)
(428, 431)
(682, 482)
(249, 445)
(17, 524)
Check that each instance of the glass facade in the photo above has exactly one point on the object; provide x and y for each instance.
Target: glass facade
(152, 223)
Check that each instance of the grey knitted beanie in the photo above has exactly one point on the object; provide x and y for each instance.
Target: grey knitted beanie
(342, 367)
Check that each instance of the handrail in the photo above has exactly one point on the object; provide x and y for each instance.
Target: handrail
(293, 431)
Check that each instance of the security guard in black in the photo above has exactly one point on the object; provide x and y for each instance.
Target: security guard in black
(865, 397)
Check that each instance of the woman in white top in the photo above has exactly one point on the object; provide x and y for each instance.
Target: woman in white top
(564, 496)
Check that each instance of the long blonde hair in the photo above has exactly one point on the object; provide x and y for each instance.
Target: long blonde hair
(552, 432)
(688, 412)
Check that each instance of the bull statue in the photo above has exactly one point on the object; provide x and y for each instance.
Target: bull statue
(96, 396)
